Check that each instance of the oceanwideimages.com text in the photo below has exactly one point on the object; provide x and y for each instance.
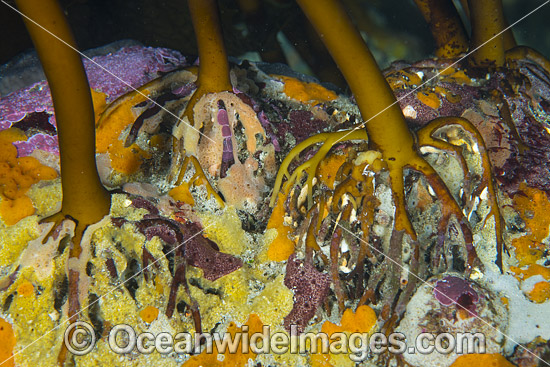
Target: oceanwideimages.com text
(123, 339)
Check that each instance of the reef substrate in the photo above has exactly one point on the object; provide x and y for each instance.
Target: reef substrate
(192, 243)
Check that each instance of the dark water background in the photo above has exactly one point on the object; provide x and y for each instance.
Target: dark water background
(395, 28)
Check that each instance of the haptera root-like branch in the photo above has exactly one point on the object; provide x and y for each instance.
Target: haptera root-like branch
(199, 178)
(311, 165)
(388, 134)
(427, 136)
(334, 262)
(387, 130)
(449, 208)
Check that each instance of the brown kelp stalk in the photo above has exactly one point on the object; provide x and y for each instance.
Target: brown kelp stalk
(213, 77)
(387, 132)
(446, 27)
(386, 126)
(84, 198)
(213, 65)
(487, 19)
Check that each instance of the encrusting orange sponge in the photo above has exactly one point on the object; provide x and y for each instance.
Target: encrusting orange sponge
(243, 351)
(282, 246)
(7, 342)
(126, 160)
(149, 314)
(533, 207)
(360, 321)
(481, 360)
(306, 92)
(17, 175)
(540, 291)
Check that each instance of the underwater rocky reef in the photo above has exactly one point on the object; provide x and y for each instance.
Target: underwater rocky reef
(248, 195)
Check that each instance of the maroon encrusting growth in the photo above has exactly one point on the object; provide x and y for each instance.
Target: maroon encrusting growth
(310, 288)
(454, 290)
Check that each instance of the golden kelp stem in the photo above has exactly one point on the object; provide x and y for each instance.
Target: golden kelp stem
(509, 39)
(386, 126)
(213, 65)
(445, 25)
(487, 19)
(387, 130)
(84, 197)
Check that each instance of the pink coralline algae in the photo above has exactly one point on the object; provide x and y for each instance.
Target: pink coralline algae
(15, 106)
(130, 67)
(113, 74)
(454, 290)
(39, 141)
